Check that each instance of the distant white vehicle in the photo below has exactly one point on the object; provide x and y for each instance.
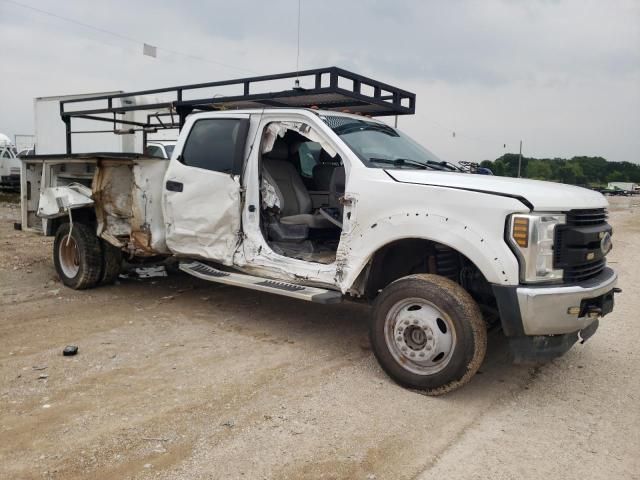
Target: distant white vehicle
(26, 151)
(629, 186)
(160, 149)
(9, 164)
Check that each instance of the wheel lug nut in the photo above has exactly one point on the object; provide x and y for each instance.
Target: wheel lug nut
(412, 354)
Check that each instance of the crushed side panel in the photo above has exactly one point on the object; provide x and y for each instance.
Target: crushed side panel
(112, 193)
(147, 222)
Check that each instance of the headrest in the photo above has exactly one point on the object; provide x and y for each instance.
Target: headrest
(280, 151)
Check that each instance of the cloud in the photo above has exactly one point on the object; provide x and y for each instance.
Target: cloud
(564, 76)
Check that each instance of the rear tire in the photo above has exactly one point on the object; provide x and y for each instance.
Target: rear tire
(77, 256)
(111, 263)
(428, 333)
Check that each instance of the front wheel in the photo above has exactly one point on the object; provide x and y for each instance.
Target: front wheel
(77, 256)
(428, 333)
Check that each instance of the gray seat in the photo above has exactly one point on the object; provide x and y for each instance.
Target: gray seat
(336, 187)
(295, 202)
(336, 192)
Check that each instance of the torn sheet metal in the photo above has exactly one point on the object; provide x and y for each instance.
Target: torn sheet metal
(57, 201)
(128, 199)
(147, 222)
(279, 129)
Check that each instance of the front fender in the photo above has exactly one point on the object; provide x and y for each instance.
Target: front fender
(486, 249)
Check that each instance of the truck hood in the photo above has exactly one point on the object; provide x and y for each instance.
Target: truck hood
(543, 196)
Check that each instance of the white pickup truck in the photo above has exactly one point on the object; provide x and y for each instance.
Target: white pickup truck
(327, 206)
(9, 164)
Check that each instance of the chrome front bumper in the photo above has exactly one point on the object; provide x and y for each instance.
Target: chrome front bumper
(546, 310)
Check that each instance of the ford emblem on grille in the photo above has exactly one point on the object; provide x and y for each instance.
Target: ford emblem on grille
(605, 243)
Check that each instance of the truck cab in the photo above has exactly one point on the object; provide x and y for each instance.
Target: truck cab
(327, 206)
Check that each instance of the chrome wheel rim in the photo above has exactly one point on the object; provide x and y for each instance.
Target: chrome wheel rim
(419, 336)
(69, 256)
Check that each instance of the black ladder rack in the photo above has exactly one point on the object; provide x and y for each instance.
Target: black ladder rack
(329, 88)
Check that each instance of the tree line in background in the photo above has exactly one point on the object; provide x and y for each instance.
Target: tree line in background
(592, 171)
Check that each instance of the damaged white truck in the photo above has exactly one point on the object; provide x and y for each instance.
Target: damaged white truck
(285, 192)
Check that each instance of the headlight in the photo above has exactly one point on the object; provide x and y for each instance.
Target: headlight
(531, 236)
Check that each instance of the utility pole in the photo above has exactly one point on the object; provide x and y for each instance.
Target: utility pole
(520, 159)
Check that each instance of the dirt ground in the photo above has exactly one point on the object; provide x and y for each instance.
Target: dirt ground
(180, 379)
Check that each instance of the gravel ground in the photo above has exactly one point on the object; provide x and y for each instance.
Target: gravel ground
(179, 379)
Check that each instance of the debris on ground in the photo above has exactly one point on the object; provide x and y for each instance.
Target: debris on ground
(145, 272)
(70, 350)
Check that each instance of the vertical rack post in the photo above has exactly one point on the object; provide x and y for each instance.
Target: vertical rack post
(67, 127)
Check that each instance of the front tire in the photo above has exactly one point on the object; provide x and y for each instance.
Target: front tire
(428, 333)
(77, 256)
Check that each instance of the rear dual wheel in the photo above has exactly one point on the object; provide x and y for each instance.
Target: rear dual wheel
(82, 260)
(428, 333)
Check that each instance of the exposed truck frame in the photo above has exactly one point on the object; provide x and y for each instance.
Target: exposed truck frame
(300, 192)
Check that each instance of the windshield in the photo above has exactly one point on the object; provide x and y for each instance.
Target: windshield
(381, 146)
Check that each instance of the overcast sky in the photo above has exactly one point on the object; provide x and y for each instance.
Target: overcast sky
(563, 76)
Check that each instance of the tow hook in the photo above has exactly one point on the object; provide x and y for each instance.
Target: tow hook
(595, 307)
(593, 312)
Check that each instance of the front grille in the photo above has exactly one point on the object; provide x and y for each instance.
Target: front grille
(595, 216)
(577, 244)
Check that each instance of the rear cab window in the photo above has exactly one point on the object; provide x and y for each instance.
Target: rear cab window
(216, 144)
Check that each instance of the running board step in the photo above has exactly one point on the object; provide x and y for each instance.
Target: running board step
(310, 294)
